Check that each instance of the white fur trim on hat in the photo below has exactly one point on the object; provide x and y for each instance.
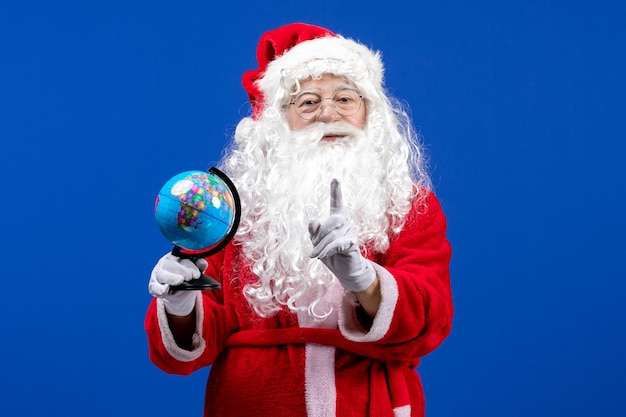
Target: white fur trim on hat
(328, 55)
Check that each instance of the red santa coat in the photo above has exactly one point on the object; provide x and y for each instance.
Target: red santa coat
(290, 365)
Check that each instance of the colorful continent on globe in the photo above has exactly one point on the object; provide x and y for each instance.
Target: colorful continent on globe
(198, 192)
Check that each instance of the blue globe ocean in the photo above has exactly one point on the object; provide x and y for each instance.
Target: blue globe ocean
(195, 210)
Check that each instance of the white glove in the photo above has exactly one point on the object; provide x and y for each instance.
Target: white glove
(171, 271)
(336, 244)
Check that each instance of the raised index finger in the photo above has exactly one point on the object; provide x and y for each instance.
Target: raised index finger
(336, 199)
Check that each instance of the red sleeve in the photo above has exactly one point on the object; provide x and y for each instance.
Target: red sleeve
(418, 259)
(210, 334)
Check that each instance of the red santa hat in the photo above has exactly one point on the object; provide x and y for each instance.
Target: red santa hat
(298, 51)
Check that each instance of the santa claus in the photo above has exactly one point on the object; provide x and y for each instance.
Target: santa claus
(337, 281)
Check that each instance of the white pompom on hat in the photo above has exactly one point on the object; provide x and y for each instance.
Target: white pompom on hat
(298, 51)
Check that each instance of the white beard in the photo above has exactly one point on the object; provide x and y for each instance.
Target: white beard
(291, 187)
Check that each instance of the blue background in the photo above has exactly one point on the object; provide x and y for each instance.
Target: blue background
(520, 104)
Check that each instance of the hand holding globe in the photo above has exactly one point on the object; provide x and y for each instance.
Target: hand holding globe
(199, 213)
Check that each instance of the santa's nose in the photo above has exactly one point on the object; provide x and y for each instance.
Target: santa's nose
(327, 113)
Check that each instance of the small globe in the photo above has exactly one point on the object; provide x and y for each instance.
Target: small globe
(196, 210)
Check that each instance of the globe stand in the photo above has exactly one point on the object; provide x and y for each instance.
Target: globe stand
(206, 282)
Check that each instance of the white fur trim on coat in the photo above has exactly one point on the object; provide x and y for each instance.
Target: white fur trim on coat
(198, 344)
(349, 324)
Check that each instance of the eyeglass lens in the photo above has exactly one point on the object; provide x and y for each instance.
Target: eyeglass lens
(346, 102)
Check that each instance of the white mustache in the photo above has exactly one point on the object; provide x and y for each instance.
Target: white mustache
(340, 129)
(315, 132)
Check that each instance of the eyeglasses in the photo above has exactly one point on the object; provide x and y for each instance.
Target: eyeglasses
(345, 102)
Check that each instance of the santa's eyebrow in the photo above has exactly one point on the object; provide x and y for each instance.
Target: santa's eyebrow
(339, 87)
(336, 88)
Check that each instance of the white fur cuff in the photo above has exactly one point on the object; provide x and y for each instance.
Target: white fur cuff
(349, 324)
(198, 344)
